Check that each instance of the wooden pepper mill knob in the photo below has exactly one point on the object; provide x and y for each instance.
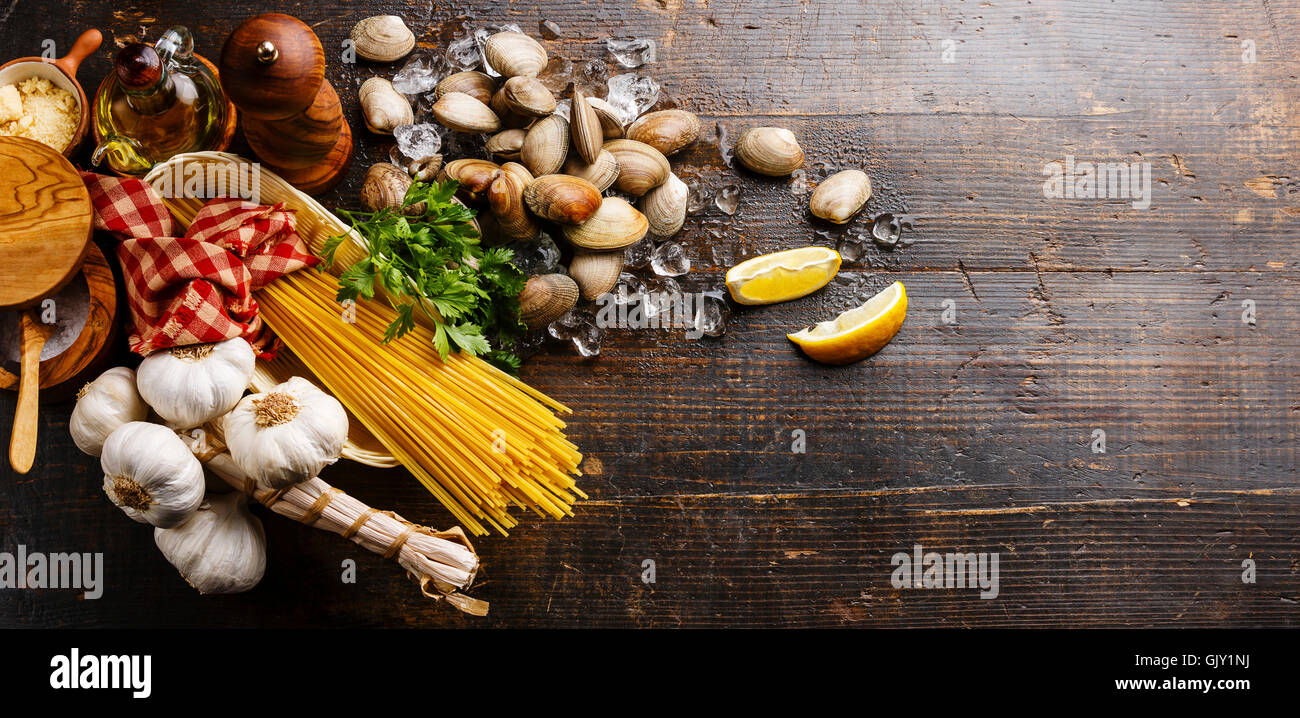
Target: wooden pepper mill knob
(273, 69)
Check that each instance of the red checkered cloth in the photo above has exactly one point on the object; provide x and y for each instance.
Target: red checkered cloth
(197, 288)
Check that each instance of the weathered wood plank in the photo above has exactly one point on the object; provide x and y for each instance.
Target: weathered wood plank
(1070, 316)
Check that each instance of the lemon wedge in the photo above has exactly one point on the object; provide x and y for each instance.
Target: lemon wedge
(857, 333)
(782, 276)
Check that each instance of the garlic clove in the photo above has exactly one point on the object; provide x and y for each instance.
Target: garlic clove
(151, 474)
(286, 435)
(103, 405)
(220, 549)
(188, 386)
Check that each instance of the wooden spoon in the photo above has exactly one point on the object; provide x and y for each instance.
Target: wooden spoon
(22, 447)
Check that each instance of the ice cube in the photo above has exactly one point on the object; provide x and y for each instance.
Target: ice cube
(698, 195)
(590, 77)
(629, 290)
(566, 326)
(798, 182)
(852, 247)
(538, 256)
(727, 198)
(712, 314)
(670, 260)
(462, 53)
(663, 295)
(588, 339)
(418, 76)
(418, 141)
(886, 230)
(637, 256)
(724, 145)
(563, 108)
(631, 51)
(549, 30)
(579, 326)
(631, 95)
(557, 75)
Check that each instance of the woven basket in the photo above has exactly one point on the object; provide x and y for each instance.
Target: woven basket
(315, 225)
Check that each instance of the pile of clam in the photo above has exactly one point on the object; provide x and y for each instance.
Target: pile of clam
(576, 172)
(552, 171)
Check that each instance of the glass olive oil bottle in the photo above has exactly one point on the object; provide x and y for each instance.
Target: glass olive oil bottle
(159, 101)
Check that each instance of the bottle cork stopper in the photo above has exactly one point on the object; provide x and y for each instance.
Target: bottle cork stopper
(138, 66)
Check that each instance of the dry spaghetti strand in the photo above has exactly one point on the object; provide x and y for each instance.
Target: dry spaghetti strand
(480, 440)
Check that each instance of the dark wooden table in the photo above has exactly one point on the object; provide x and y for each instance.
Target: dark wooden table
(1068, 316)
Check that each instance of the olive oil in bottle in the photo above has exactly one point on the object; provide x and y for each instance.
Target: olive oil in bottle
(160, 101)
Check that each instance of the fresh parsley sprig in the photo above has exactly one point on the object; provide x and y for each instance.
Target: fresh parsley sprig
(433, 259)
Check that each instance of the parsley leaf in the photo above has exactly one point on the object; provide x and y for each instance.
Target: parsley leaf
(432, 263)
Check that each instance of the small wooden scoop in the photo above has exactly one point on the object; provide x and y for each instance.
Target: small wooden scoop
(45, 227)
(22, 447)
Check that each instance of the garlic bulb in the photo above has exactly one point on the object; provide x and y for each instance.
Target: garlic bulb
(221, 549)
(151, 475)
(103, 405)
(190, 385)
(286, 435)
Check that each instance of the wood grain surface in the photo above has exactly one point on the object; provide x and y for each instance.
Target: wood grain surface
(975, 434)
(45, 222)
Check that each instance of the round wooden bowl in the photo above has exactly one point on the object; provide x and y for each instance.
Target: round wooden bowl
(224, 139)
(63, 74)
(94, 342)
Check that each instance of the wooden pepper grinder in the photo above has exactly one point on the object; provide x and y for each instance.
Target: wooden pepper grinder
(273, 69)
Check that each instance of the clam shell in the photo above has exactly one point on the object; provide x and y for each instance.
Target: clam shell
(506, 144)
(771, 151)
(382, 38)
(564, 199)
(425, 168)
(478, 85)
(665, 207)
(641, 167)
(527, 96)
(382, 107)
(545, 298)
(615, 225)
(519, 171)
(600, 173)
(475, 176)
(610, 123)
(595, 272)
(513, 54)
(546, 145)
(841, 196)
(506, 198)
(509, 118)
(666, 130)
(462, 113)
(588, 135)
(385, 186)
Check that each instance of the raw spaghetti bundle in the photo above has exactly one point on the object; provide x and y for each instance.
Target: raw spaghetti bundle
(478, 439)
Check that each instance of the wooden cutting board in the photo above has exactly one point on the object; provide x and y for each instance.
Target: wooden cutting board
(45, 222)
